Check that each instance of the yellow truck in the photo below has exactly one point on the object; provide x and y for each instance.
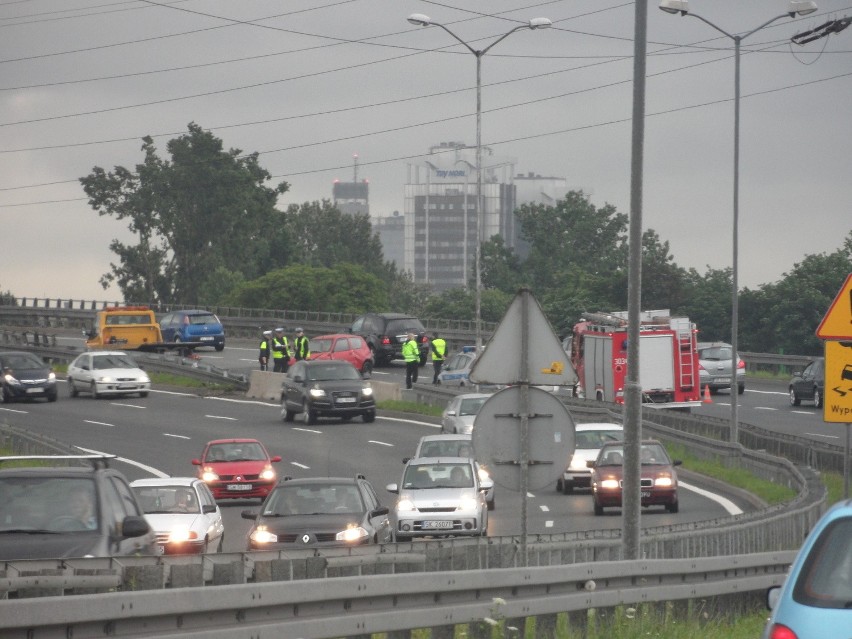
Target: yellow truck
(129, 328)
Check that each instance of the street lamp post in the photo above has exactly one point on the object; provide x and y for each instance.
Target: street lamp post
(425, 21)
(795, 7)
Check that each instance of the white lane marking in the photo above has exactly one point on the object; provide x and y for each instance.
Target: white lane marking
(127, 405)
(548, 523)
(165, 392)
(530, 495)
(544, 508)
(177, 436)
(764, 408)
(822, 435)
(150, 469)
(751, 390)
(308, 430)
(724, 502)
(89, 421)
(233, 419)
(244, 401)
(373, 441)
(298, 465)
(410, 421)
(15, 410)
(802, 412)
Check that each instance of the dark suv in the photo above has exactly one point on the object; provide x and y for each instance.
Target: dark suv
(54, 512)
(385, 334)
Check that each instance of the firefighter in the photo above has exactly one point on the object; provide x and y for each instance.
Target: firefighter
(301, 347)
(439, 352)
(411, 354)
(265, 350)
(280, 352)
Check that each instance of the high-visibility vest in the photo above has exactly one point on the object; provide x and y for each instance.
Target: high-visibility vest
(300, 348)
(439, 349)
(410, 351)
(280, 348)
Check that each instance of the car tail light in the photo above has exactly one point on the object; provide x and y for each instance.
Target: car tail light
(777, 631)
(700, 367)
(425, 340)
(385, 340)
(741, 364)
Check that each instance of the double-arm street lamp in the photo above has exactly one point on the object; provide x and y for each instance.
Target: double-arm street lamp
(794, 8)
(425, 21)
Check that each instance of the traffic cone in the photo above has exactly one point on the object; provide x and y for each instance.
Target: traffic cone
(707, 399)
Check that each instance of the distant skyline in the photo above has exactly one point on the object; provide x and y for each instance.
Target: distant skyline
(307, 86)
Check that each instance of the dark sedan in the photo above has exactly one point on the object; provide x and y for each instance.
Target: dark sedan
(328, 511)
(326, 389)
(25, 376)
(809, 385)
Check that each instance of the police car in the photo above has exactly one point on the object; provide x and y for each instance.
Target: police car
(456, 369)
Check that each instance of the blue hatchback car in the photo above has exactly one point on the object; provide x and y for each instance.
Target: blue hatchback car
(815, 601)
(193, 326)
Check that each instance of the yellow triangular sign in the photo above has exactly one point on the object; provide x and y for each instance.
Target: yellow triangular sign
(837, 323)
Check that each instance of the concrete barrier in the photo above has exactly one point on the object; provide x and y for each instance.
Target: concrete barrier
(265, 385)
(385, 391)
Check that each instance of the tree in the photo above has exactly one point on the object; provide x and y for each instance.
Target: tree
(205, 209)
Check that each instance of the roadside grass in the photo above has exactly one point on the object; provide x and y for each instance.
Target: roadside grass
(410, 407)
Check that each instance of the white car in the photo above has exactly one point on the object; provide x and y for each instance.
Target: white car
(106, 373)
(461, 411)
(183, 514)
(439, 497)
(588, 439)
(447, 445)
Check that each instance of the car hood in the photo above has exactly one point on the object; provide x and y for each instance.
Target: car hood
(437, 497)
(163, 522)
(338, 385)
(48, 545)
(135, 373)
(237, 467)
(30, 374)
(311, 523)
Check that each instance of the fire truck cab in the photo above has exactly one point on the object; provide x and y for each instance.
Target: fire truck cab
(668, 358)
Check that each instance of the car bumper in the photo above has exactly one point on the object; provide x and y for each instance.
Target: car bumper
(577, 479)
(717, 382)
(120, 388)
(336, 409)
(240, 490)
(649, 498)
(21, 391)
(432, 524)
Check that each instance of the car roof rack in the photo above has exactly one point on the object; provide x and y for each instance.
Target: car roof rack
(360, 476)
(96, 461)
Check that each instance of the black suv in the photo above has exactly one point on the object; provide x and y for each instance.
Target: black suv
(385, 333)
(53, 512)
(326, 388)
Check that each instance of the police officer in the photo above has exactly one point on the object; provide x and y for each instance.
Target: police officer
(439, 352)
(411, 354)
(301, 347)
(280, 352)
(265, 350)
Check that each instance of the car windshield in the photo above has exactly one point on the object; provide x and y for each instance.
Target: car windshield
(591, 439)
(332, 371)
(447, 448)
(22, 361)
(102, 362)
(205, 318)
(236, 451)
(826, 577)
(167, 499)
(471, 406)
(421, 476)
(313, 499)
(319, 345)
(653, 454)
(47, 504)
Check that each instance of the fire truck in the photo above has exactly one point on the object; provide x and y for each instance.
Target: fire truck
(668, 358)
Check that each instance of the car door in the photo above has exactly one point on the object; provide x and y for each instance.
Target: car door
(804, 385)
(213, 519)
(341, 349)
(167, 327)
(82, 372)
(291, 391)
(380, 523)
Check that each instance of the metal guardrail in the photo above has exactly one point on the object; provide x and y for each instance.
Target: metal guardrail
(360, 606)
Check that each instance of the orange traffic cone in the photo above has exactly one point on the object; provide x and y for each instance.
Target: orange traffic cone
(707, 399)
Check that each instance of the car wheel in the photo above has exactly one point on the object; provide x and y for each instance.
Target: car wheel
(288, 415)
(93, 389)
(310, 414)
(794, 399)
(369, 417)
(492, 504)
(221, 546)
(72, 389)
(598, 509)
(143, 394)
(367, 368)
(673, 508)
(220, 347)
(817, 398)
(740, 389)
(53, 396)
(2, 395)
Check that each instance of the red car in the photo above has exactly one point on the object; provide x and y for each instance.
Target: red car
(351, 348)
(237, 468)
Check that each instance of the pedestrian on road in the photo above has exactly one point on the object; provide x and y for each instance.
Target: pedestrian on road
(439, 353)
(411, 354)
(265, 350)
(301, 347)
(280, 352)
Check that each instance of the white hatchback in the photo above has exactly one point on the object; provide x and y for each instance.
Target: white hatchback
(588, 439)
(106, 373)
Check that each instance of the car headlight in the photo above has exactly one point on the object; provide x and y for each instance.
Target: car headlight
(483, 474)
(405, 505)
(208, 475)
(267, 474)
(10, 379)
(468, 503)
(51, 377)
(353, 533)
(317, 392)
(663, 482)
(367, 391)
(578, 464)
(262, 536)
(144, 380)
(609, 484)
(104, 379)
(180, 535)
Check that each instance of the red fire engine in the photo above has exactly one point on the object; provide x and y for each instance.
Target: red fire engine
(668, 358)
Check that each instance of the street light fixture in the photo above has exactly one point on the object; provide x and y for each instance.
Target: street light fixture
(422, 20)
(795, 7)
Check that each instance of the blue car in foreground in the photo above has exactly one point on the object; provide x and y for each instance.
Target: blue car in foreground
(815, 601)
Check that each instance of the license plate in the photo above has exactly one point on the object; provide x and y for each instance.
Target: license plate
(346, 400)
(34, 390)
(206, 339)
(127, 385)
(723, 380)
(238, 487)
(429, 525)
(645, 494)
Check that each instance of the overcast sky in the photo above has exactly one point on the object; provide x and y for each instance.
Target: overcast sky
(310, 83)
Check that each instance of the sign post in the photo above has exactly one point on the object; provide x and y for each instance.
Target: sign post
(836, 329)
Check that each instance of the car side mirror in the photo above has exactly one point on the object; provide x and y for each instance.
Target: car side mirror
(590, 463)
(405, 460)
(772, 597)
(208, 509)
(676, 462)
(277, 458)
(249, 514)
(134, 526)
(378, 512)
(298, 378)
(451, 413)
(392, 488)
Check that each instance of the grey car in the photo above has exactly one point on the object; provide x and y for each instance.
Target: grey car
(461, 411)
(714, 359)
(809, 385)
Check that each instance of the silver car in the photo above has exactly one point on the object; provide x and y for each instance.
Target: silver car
(714, 370)
(102, 373)
(588, 439)
(461, 411)
(439, 497)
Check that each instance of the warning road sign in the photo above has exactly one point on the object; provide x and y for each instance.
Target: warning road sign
(837, 323)
(837, 400)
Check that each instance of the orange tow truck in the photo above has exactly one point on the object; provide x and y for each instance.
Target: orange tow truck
(129, 328)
